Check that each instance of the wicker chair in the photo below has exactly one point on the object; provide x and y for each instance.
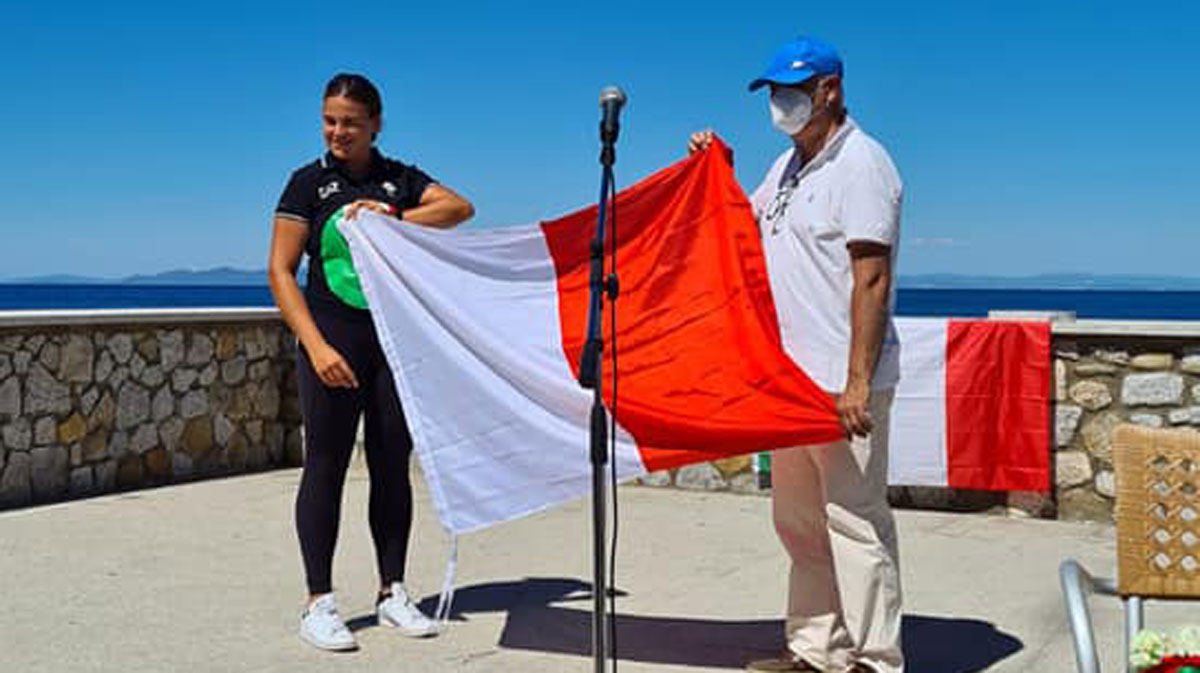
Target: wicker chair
(1158, 534)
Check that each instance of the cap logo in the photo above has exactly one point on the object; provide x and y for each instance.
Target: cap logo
(796, 65)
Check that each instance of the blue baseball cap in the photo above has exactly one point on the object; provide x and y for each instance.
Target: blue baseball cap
(799, 60)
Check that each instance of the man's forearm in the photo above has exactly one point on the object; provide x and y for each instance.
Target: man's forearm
(868, 323)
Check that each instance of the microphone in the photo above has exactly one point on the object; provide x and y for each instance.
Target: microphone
(611, 101)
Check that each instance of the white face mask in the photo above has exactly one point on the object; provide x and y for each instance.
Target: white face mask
(790, 109)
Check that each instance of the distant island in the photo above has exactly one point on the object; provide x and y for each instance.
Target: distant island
(217, 276)
(1050, 281)
(933, 281)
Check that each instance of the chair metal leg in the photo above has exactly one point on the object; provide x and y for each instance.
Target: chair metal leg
(1135, 619)
(1077, 584)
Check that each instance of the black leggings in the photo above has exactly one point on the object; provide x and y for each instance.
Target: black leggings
(330, 422)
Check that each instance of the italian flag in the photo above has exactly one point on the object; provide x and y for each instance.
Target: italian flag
(484, 330)
(973, 405)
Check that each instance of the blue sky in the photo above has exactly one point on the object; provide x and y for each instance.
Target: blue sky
(1033, 137)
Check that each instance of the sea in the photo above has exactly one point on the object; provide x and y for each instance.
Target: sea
(965, 303)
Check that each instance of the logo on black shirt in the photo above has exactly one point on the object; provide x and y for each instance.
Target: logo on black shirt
(328, 190)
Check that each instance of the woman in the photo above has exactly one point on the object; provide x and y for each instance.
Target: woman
(341, 369)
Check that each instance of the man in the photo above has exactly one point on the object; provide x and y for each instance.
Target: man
(829, 216)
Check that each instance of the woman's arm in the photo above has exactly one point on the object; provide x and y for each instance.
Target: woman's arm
(287, 246)
(440, 207)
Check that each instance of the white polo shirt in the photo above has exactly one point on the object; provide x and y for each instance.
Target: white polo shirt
(849, 192)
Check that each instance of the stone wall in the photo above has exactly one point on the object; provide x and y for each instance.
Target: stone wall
(1103, 380)
(727, 474)
(1105, 373)
(97, 401)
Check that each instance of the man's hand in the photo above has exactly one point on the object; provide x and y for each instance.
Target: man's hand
(853, 407)
(700, 141)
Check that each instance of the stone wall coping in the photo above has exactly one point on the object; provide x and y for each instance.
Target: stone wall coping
(1128, 328)
(140, 316)
(158, 316)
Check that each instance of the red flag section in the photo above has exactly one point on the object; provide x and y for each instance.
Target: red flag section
(700, 363)
(998, 405)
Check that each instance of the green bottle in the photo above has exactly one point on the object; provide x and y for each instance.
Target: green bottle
(761, 464)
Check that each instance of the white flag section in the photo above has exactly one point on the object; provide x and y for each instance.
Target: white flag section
(917, 443)
(469, 323)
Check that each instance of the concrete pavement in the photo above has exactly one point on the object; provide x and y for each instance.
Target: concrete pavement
(207, 577)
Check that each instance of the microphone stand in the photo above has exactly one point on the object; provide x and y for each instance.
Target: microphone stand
(589, 377)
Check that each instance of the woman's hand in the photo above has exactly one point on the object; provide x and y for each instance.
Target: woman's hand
(368, 204)
(331, 367)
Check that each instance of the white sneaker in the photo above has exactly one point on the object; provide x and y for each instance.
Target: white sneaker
(322, 627)
(398, 611)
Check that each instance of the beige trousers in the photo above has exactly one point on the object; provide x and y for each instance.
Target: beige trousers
(831, 513)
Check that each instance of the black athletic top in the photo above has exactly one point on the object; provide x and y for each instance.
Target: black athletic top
(317, 190)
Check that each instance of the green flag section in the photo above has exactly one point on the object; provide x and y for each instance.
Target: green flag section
(338, 265)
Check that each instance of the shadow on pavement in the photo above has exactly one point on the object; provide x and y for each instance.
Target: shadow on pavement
(499, 597)
(511, 596)
(946, 645)
(931, 644)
